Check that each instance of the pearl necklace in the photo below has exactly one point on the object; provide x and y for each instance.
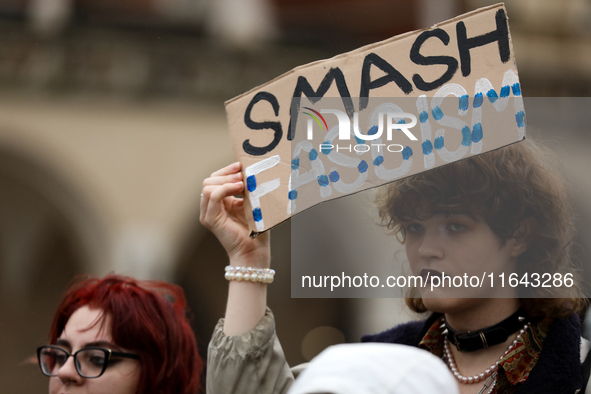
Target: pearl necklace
(487, 372)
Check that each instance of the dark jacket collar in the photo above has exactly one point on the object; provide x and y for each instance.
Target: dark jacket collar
(559, 368)
(557, 371)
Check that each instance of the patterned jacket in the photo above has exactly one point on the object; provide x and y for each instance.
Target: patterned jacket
(557, 371)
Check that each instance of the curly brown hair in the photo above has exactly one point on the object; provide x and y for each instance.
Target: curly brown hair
(504, 187)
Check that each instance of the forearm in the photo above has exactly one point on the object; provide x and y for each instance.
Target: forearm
(223, 214)
(247, 301)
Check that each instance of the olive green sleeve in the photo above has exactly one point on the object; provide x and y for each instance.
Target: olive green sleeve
(251, 363)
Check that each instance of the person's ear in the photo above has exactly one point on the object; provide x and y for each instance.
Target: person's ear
(523, 236)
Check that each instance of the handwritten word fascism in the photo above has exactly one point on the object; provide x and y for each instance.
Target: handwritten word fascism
(328, 164)
(333, 153)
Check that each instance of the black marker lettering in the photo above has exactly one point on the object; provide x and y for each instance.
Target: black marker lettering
(392, 75)
(246, 145)
(303, 86)
(501, 35)
(417, 58)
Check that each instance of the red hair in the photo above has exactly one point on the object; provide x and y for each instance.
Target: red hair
(147, 317)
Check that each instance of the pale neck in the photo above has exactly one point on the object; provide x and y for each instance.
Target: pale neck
(487, 313)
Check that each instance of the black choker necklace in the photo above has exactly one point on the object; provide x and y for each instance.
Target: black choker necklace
(489, 336)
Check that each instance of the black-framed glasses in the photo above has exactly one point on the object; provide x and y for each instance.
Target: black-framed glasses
(90, 362)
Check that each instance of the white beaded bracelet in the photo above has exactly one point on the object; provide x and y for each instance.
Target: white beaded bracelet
(250, 274)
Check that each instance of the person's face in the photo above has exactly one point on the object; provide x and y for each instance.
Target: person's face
(120, 377)
(458, 246)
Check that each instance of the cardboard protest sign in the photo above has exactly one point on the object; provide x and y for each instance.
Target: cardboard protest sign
(377, 114)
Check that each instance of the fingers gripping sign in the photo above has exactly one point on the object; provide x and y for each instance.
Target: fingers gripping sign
(223, 214)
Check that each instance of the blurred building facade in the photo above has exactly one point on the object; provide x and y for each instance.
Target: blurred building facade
(111, 116)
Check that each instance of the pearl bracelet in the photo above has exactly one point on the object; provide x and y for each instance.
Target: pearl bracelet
(250, 274)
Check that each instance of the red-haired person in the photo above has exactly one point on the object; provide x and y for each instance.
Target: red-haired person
(505, 211)
(119, 335)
